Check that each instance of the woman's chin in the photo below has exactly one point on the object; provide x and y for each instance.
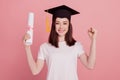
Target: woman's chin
(61, 34)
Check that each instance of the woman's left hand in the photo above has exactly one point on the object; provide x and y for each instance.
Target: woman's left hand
(92, 33)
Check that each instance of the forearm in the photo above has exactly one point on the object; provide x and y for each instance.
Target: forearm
(92, 54)
(31, 62)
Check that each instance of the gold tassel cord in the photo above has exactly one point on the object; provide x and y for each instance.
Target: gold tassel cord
(47, 24)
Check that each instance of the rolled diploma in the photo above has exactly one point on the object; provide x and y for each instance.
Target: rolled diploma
(30, 25)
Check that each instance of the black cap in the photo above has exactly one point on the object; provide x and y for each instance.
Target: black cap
(62, 11)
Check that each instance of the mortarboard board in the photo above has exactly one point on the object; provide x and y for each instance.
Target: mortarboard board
(62, 11)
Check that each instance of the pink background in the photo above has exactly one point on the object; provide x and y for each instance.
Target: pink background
(104, 15)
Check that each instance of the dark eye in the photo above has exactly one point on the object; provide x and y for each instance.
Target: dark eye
(57, 23)
(65, 23)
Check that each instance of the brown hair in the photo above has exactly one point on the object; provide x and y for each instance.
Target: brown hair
(53, 37)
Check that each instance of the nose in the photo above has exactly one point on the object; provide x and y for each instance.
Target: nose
(61, 25)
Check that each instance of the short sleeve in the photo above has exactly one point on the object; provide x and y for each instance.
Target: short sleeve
(41, 53)
(79, 48)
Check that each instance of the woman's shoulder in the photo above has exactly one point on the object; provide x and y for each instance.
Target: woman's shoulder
(77, 43)
(45, 44)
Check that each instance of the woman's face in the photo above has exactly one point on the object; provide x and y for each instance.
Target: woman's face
(61, 25)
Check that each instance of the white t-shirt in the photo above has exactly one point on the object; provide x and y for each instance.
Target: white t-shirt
(62, 61)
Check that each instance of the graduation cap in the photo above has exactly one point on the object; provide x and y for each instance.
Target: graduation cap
(62, 11)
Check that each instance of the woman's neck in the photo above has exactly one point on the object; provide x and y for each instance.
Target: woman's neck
(61, 38)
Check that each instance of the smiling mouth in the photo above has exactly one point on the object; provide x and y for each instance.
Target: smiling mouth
(61, 31)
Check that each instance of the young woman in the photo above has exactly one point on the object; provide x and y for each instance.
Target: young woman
(62, 50)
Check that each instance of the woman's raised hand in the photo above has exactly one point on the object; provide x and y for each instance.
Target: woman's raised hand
(92, 32)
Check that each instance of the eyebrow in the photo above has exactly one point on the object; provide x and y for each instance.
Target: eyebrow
(63, 21)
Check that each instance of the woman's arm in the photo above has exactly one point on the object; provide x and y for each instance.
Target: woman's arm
(89, 61)
(37, 66)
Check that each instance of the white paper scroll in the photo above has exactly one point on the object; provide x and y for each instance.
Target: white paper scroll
(31, 19)
(30, 25)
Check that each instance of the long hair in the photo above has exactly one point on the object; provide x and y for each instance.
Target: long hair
(53, 37)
